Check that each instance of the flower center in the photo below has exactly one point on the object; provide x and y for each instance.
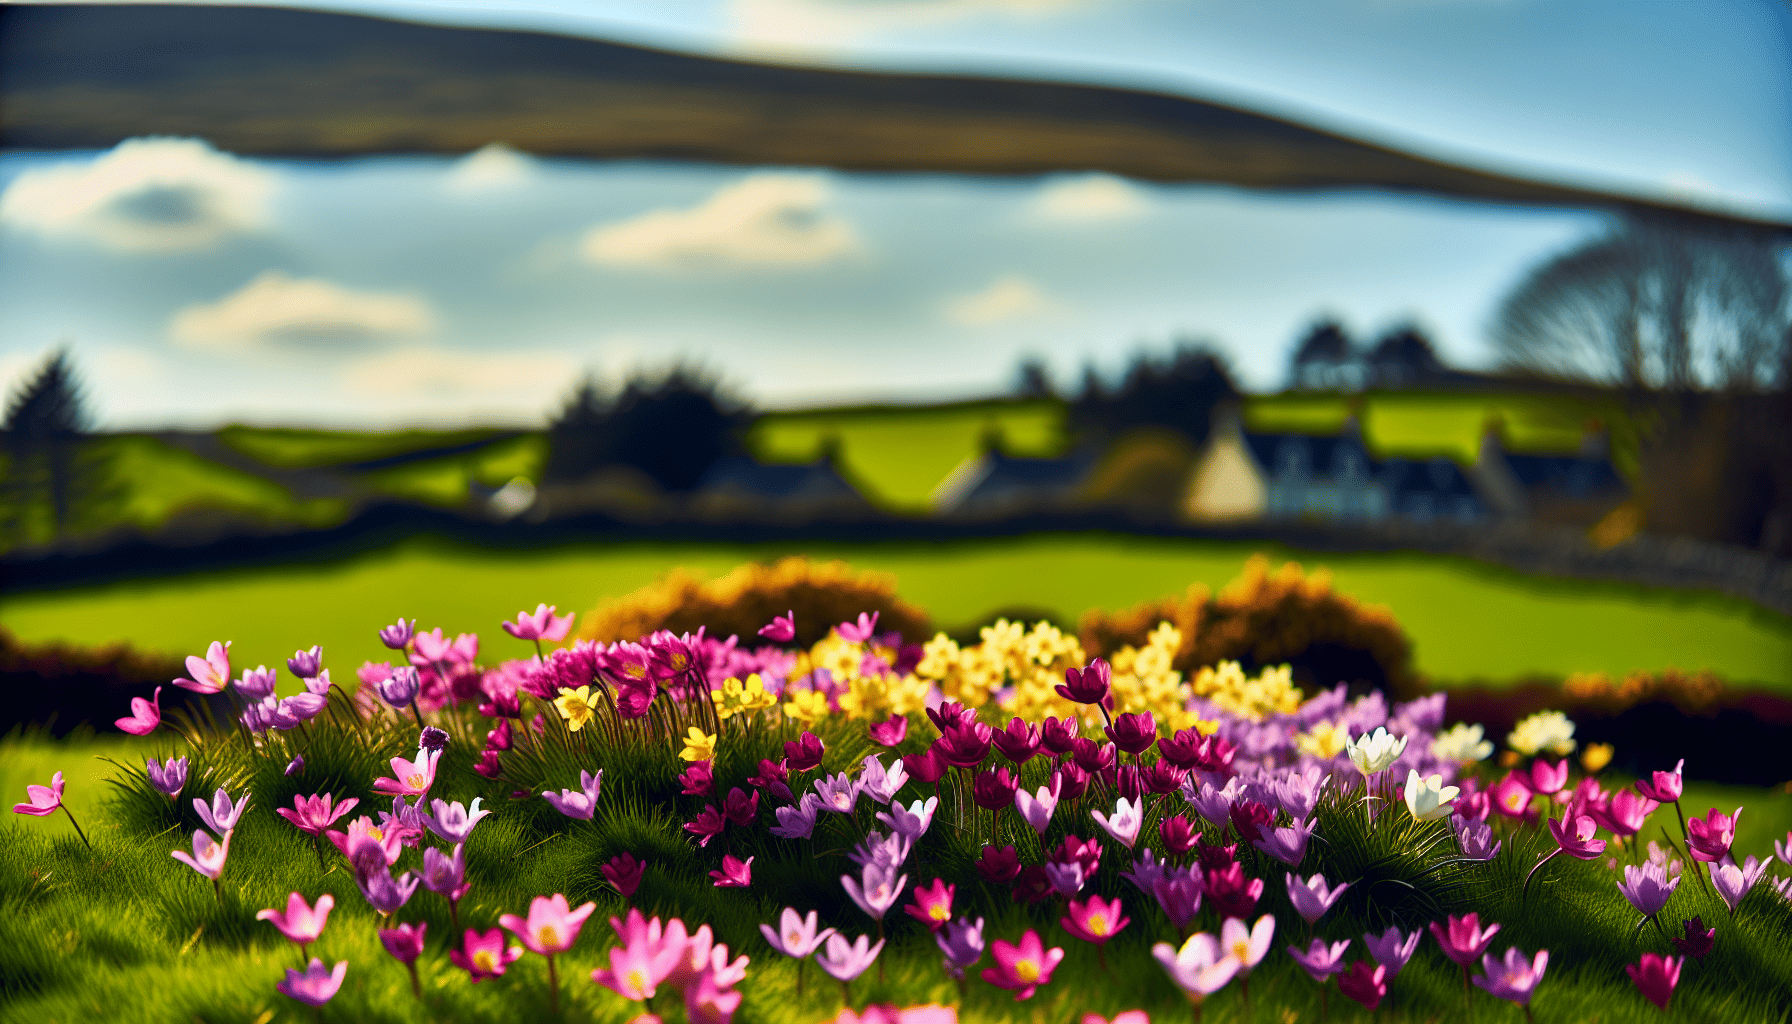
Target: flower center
(375, 834)
(485, 961)
(637, 980)
(939, 912)
(1026, 970)
(1098, 924)
(1242, 950)
(794, 940)
(547, 936)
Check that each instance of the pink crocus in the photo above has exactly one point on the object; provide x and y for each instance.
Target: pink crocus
(413, 777)
(1198, 968)
(782, 628)
(860, 631)
(648, 954)
(623, 872)
(1365, 984)
(845, 960)
(1733, 882)
(1575, 840)
(485, 955)
(1547, 778)
(1313, 897)
(932, 905)
(889, 732)
(1321, 960)
(1516, 978)
(582, 802)
(932, 1013)
(313, 814)
(146, 715)
(210, 673)
(363, 833)
(1037, 808)
(405, 943)
(208, 854)
(1247, 945)
(1095, 920)
(735, 873)
(1462, 938)
(551, 927)
(46, 800)
(1511, 796)
(1022, 966)
(1655, 977)
(1664, 787)
(300, 923)
(314, 986)
(1710, 838)
(542, 624)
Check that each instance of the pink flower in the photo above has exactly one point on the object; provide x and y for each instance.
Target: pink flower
(413, 777)
(1128, 1017)
(1625, 814)
(210, 673)
(146, 715)
(889, 732)
(1710, 838)
(796, 936)
(1655, 976)
(1580, 843)
(302, 924)
(1247, 945)
(647, 956)
(1197, 968)
(1462, 939)
(782, 630)
(551, 927)
(1321, 960)
(315, 986)
(1516, 978)
(484, 956)
(1664, 787)
(1546, 778)
(932, 1013)
(932, 905)
(1037, 808)
(1511, 796)
(1095, 920)
(208, 854)
(542, 625)
(363, 833)
(735, 873)
(860, 631)
(623, 872)
(44, 799)
(404, 942)
(1022, 966)
(1365, 985)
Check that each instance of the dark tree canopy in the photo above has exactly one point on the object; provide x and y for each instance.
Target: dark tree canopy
(1033, 379)
(1179, 393)
(1404, 355)
(672, 427)
(47, 457)
(1320, 356)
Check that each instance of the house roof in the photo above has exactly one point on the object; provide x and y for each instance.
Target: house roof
(809, 480)
(1575, 475)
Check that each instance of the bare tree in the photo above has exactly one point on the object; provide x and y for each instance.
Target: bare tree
(1653, 306)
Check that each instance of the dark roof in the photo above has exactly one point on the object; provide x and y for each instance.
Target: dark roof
(1573, 475)
(1434, 476)
(1312, 455)
(777, 480)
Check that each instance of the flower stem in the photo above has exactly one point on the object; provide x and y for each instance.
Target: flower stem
(419, 713)
(416, 986)
(553, 988)
(72, 821)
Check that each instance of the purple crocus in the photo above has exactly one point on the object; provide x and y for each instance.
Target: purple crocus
(844, 960)
(837, 793)
(1476, 838)
(446, 874)
(316, 985)
(384, 893)
(962, 942)
(306, 664)
(257, 684)
(1514, 979)
(795, 936)
(1312, 899)
(1647, 888)
(168, 778)
(910, 823)
(1287, 844)
(400, 688)
(797, 822)
(453, 821)
(1320, 960)
(579, 804)
(313, 814)
(398, 634)
(296, 765)
(1392, 950)
(208, 854)
(221, 815)
(1733, 882)
(876, 890)
(1180, 897)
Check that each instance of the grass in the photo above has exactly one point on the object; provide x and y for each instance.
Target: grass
(1468, 621)
(292, 448)
(160, 480)
(444, 480)
(125, 933)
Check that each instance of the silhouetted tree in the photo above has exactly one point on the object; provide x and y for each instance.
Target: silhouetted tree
(45, 433)
(1179, 393)
(1653, 305)
(673, 428)
(1033, 380)
(1403, 356)
(1320, 356)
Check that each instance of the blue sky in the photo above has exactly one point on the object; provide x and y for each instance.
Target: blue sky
(402, 290)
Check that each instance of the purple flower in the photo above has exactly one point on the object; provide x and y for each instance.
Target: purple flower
(1145, 873)
(838, 793)
(1288, 845)
(876, 890)
(400, 688)
(1312, 899)
(398, 634)
(221, 815)
(316, 985)
(1733, 883)
(582, 804)
(305, 664)
(962, 942)
(385, 893)
(1516, 978)
(699, 779)
(879, 784)
(910, 823)
(446, 875)
(845, 961)
(1476, 837)
(795, 936)
(884, 850)
(169, 778)
(1180, 897)
(296, 765)
(1320, 960)
(1647, 888)
(797, 822)
(319, 684)
(1066, 879)
(453, 822)
(1390, 950)
(257, 683)
(301, 707)
(432, 738)
(208, 854)
(404, 942)
(1213, 803)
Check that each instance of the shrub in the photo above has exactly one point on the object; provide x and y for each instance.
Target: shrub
(1261, 620)
(821, 593)
(74, 685)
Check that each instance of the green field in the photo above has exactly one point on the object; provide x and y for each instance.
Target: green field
(292, 448)
(1468, 621)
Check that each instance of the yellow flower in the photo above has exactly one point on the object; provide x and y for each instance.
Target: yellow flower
(729, 698)
(807, 706)
(754, 696)
(1325, 742)
(1596, 757)
(575, 707)
(698, 746)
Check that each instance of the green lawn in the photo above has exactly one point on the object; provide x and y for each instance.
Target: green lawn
(293, 448)
(160, 480)
(1468, 621)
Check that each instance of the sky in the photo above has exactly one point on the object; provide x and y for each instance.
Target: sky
(196, 287)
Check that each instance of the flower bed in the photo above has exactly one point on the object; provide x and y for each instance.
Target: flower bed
(1007, 830)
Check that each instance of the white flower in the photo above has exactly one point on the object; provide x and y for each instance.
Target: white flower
(1373, 753)
(1545, 730)
(1124, 825)
(1462, 743)
(1430, 799)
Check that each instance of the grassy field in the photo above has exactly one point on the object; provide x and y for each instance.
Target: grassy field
(1468, 621)
(292, 448)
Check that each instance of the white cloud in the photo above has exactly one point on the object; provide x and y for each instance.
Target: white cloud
(1008, 298)
(813, 24)
(276, 312)
(764, 220)
(1087, 199)
(145, 195)
(531, 380)
(491, 167)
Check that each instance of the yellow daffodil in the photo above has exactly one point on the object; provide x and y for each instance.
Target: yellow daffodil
(698, 746)
(575, 707)
(1596, 757)
(807, 706)
(1325, 742)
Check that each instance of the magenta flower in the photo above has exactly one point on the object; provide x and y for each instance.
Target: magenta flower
(1733, 882)
(845, 961)
(1320, 960)
(1626, 813)
(362, 833)
(1180, 897)
(1392, 950)
(1698, 940)
(1178, 834)
(1313, 898)
(623, 872)
(396, 636)
(740, 809)
(1709, 839)
(860, 631)
(994, 790)
(221, 815)
(1512, 796)
(932, 905)
(543, 624)
(1655, 976)
(1364, 984)
(1647, 888)
(446, 874)
(208, 854)
(646, 958)
(1095, 920)
(580, 804)
(146, 715)
(1547, 778)
(998, 866)
(44, 800)
(804, 752)
(1462, 939)
(1019, 742)
(964, 745)
(552, 927)
(210, 673)
(1576, 843)
(404, 942)
(1088, 685)
(1231, 892)
(316, 985)
(301, 923)
(170, 778)
(796, 936)
(1515, 979)
(1133, 733)
(781, 630)
(484, 955)
(889, 732)
(708, 824)
(1023, 966)
(1664, 787)
(735, 873)
(413, 777)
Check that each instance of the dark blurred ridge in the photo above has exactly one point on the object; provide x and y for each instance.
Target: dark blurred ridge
(270, 82)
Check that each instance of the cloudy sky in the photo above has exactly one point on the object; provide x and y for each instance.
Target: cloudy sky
(197, 287)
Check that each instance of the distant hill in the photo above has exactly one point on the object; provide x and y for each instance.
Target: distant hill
(271, 82)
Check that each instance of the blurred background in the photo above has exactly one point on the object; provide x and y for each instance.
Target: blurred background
(314, 316)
